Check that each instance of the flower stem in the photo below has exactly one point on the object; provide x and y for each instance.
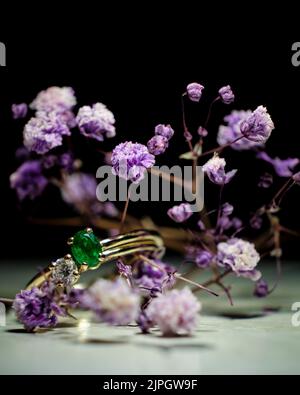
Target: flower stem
(123, 218)
(220, 148)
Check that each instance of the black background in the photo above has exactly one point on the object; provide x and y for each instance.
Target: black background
(139, 66)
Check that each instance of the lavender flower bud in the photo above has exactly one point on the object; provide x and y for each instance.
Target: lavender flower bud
(256, 222)
(215, 170)
(261, 289)
(164, 130)
(226, 94)
(194, 91)
(227, 209)
(265, 181)
(19, 110)
(187, 135)
(157, 145)
(296, 177)
(201, 225)
(202, 132)
(203, 258)
(180, 213)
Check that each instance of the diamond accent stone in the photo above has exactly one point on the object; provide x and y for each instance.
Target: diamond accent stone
(64, 271)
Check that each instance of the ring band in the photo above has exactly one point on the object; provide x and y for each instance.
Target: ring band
(88, 253)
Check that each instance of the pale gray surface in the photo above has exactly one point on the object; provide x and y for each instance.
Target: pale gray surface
(266, 344)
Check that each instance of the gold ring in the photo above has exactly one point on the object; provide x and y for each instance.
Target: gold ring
(88, 253)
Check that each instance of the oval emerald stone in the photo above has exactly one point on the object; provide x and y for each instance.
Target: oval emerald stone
(86, 248)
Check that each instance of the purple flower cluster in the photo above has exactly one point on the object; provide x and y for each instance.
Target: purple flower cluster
(131, 160)
(194, 91)
(39, 307)
(54, 99)
(240, 256)
(180, 213)
(113, 302)
(174, 312)
(214, 168)
(28, 180)
(96, 122)
(231, 132)
(282, 167)
(258, 126)
(158, 144)
(44, 132)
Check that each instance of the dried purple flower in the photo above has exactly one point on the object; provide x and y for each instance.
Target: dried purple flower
(96, 122)
(236, 223)
(227, 209)
(124, 270)
(54, 99)
(296, 177)
(36, 309)
(131, 160)
(215, 170)
(202, 258)
(240, 256)
(79, 189)
(258, 126)
(232, 132)
(265, 181)
(113, 302)
(180, 213)
(175, 312)
(164, 130)
(226, 94)
(22, 154)
(282, 167)
(256, 222)
(194, 91)
(28, 180)
(144, 322)
(157, 145)
(44, 132)
(187, 135)
(261, 289)
(19, 110)
(202, 131)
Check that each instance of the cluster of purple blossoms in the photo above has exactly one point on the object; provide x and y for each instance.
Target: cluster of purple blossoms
(231, 132)
(44, 132)
(131, 160)
(152, 280)
(240, 256)
(158, 144)
(258, 126)
(214, 168)
(113, 302)
(282, 167)
(194, 91)
(28, 180)
(174, 312)
(54, 99)
(79, 190)
(39, 307)
(226, 94)
(180, 213)
(96, 122)
(19, 110)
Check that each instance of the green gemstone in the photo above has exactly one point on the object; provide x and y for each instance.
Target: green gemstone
(86, 248)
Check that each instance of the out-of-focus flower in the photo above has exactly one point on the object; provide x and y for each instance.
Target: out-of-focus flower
(79, 189)
(131, 160)
(227, 209)
(19, 110)
(124, 270)
(265, 181)
(187, 135)
(296, 177)
(231, 132)
(64, 161)
(258, 126)
(202, 131)
(22, 154)
(54, 99)
(201, 257)
(39, 307)
(261, 289)
(240, 256)
(113, 302)
(175, 312)
(180, 213)
(256, 222)
(96, 122)
(201, 225)
(282, 167)
(215, 170)
(164, 130)
(157, 145)
(153, 279)
(28, 180)
(44, 132)
(194, 91)
(144, 322)
(226, 94)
